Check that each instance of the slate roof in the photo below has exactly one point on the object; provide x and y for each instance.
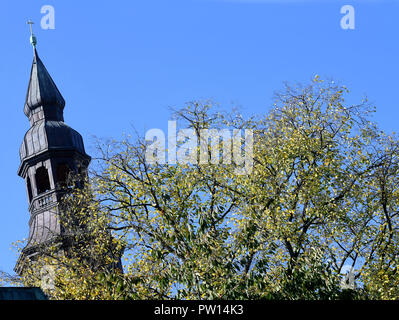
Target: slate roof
(44, 107)
(42, 90)
(50, 135)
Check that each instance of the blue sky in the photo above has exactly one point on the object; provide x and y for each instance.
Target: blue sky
(123, 63)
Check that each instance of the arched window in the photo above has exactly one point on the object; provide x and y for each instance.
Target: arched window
(42, 180)
(82, 174)
(62, 174)
(29, 186)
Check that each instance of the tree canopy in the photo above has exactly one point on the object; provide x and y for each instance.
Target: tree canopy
(321, 199)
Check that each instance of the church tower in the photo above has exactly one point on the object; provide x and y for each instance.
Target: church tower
(50, 151)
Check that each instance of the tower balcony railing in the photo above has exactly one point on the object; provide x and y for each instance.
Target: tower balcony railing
(43, 200)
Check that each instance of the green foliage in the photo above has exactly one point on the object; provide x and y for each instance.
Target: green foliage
(322, 195)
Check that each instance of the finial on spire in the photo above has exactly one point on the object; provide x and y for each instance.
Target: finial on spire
(33, 39)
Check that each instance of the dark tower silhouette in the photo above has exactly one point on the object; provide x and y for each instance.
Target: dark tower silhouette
(49, 152)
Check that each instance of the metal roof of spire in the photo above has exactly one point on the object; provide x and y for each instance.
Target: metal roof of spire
(42, 90)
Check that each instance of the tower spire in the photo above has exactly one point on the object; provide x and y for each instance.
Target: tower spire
(43, 93)
(50, 151)
(33, 39)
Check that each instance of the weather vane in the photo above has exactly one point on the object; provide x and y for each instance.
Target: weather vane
(33, 39)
